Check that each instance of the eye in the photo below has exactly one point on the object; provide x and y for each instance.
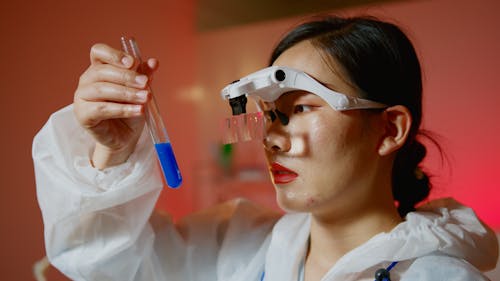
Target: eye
(299, 108)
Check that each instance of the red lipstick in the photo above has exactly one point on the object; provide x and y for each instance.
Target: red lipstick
(282, 174)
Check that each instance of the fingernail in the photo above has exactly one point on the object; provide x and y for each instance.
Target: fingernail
(142, 95)
(152, 63)
(141, 79)
(134, 108)
(126, 61)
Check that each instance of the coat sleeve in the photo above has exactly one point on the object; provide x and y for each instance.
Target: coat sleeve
(95, 222)
(99, 224)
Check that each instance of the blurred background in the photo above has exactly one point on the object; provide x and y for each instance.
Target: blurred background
(202, 45)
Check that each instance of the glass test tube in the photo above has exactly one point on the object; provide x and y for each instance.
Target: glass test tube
(155, 125)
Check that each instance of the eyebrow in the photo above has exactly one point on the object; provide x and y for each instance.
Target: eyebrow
(305, 96)
(332, 86)
(328, 85)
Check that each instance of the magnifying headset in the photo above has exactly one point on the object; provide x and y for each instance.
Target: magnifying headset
(267, 85)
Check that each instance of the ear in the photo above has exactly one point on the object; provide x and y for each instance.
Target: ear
(397, 121)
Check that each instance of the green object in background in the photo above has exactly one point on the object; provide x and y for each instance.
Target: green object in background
(226, 157)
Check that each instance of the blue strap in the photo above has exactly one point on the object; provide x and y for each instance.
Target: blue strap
(392, 265)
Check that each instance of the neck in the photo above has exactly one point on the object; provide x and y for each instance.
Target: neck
(331, 238)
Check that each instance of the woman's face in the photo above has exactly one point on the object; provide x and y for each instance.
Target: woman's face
(322, 159)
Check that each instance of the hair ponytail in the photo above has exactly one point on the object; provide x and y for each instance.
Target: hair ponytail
(410, 185)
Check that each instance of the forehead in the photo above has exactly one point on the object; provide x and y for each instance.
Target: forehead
(306, 57)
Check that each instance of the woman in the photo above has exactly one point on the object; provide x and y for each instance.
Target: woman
(350, 179)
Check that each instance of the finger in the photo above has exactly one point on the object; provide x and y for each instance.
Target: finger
(90, 114)
(148, 67)
(111, 74)
(103, 91)
(102, 53)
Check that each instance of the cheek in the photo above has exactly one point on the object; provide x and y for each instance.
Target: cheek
(328, 137)
(335, 154)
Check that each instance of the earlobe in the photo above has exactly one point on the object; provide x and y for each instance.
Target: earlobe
(397, 127)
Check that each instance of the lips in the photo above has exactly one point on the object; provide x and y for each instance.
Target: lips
(282, 174)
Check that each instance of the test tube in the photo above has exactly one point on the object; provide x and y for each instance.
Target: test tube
(154, 123)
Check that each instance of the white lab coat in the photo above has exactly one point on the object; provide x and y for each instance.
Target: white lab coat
(98, 226)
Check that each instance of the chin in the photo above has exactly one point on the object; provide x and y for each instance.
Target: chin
(290, 201)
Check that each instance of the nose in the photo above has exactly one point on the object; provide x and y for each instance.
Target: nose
(277, 139)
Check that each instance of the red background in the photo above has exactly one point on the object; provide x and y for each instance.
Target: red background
(44, 48)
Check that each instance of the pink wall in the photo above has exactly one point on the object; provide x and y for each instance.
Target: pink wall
(44, 48)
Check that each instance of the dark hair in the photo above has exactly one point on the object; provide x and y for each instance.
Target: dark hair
(382, 63)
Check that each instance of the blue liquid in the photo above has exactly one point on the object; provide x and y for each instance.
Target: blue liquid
(168, 164)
